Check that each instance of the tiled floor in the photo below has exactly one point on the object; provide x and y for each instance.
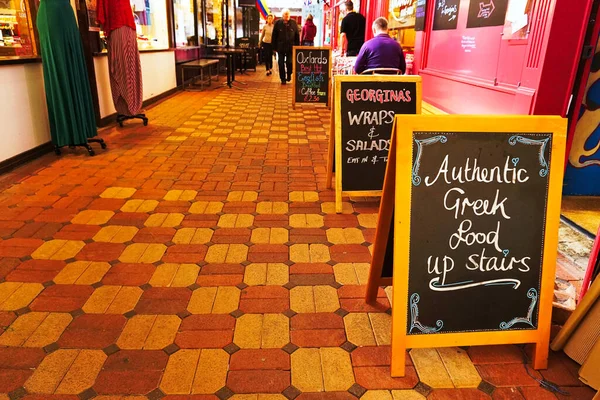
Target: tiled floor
(201, 258)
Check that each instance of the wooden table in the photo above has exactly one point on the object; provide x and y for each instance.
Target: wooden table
(230, 52)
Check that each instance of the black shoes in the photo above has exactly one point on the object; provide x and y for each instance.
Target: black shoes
(289, 79)
(283, 82)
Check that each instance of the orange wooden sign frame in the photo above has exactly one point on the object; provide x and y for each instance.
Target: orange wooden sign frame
(397, 198)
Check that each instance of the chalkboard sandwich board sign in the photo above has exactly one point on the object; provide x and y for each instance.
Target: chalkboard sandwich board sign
(365, 107)
(475, 203)
(312, 75)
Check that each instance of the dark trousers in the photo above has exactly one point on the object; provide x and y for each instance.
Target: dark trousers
(268, 55)
(285, 60)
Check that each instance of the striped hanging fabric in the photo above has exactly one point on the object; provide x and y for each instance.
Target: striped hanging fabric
(263, 8)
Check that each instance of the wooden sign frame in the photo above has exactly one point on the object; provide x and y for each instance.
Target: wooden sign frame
(335, 141)
(323, 48)
(399, 183)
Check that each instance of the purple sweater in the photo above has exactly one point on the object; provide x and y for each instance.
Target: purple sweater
(380, 52)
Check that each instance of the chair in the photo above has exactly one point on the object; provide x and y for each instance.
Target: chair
(383, 71)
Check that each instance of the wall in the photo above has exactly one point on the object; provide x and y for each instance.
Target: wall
(477, 71)
(158, 75)
(23, 113)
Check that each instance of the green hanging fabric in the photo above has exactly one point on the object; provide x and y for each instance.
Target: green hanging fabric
(68, 95)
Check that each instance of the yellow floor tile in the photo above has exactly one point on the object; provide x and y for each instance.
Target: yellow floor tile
(299, 253)
(51, 371)
(116, 234)
(217, 253)
(326, 299)
(227, 300)
(430, 368)
(20, 297)
(202, 300)
(382, 328)
(92, 217)
(345, 274)
(206, 207)
(345, 236)
(242, 196)
(460, 368)
(329, 208)
(255, 275)
(407, 395)
(211, 374)
(270, 207)
(58, 250)
(358, 329)
(113, 300)
(82, 273)
(143, 253)
(277, 274)
(164, 220)
(180, 195)
(7, 289)
(236, 221)
(83, 372)
(377, 395)
(163, 332)
(135, 332)
(261, 236)
(302, 299)
(101, 299)
(275, 331)
(49, 330)
(193, 236)
(307, 373)
(279, 236)
(140, 206)
(304, 196)
(118, 193)
(125, 301)
(23, 327)
(368, 220)
(180, 371)
(238, 253)
(175, 275)
(248, 329)
(319, 253)
(337, 369)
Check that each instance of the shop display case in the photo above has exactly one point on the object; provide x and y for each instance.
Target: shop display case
(16, 29)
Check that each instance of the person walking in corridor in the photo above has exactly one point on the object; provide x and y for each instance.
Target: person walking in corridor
(266, 41)
(285, 36)
(352, 31)
(309, 31)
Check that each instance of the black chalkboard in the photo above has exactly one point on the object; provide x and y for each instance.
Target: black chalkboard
(446, 14)
(486, 13)
(421, 8)
(312, 69)
(491, 188)
(367, 115)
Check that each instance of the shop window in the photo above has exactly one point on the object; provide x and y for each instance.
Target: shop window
(16, 29)
(151, 24)
(200, 4)
(185, 30)
(214, 25)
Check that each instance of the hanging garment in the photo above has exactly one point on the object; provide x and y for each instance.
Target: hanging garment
(125, 71)
(68, 94)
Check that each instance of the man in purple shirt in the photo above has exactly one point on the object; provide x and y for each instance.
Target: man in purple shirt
(380, 52)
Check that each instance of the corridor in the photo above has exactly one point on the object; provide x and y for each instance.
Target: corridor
(201, 258)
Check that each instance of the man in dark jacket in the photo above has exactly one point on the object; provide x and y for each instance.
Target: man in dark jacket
(285, 36)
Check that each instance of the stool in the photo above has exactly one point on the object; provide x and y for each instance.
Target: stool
(201, 65)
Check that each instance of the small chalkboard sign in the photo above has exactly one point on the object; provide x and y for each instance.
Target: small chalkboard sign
(364, 115)
(446, 14)
(312, 74)
(475, 225)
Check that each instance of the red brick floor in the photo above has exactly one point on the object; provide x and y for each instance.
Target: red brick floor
(201, 258)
